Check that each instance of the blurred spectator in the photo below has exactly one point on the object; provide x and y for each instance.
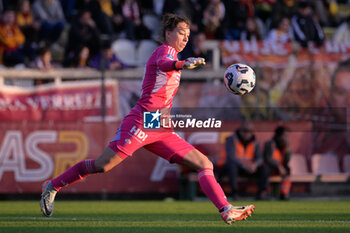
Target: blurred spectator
(108, 17)
(282, 34)
(26, 23)
(199, 49)
(194, 10)
(340, 96)
(244, 158)
(252, 30)
(336, 140)
(169, 6)
(327, 12)
(333, 17)
(320, 11)
(305, 28)
(281, 9)
(342, 34)
(11, 40)
(135, 30)
(83, 32)
(212, 17)
(43, 60)
(263, 9)
(51, 18)
(68, 7)
(277, 156)
(196, 48)
(82, 5)
(147, 7)
(235, 18)
(4, 4)
(106, 59)
(79, 58)
(158, 7)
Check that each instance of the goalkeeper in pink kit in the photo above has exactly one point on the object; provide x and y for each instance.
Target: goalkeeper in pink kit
(160, 83)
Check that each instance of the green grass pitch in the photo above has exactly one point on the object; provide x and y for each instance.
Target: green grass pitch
(176, 216)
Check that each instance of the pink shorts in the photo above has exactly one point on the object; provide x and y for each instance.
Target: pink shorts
(131, 136)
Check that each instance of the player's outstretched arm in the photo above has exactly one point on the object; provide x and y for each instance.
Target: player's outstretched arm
(190, 63)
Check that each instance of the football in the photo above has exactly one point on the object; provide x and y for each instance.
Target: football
(239, 79)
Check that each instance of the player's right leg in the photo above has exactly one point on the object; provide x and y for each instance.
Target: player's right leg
(104, 163)
(121, 146)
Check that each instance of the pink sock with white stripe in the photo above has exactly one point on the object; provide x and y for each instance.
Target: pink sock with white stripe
(211, 188)
(74, 174)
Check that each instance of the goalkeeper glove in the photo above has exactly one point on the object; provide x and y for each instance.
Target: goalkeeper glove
(190, 63)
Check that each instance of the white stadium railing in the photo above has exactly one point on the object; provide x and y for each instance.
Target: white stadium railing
(60, 74)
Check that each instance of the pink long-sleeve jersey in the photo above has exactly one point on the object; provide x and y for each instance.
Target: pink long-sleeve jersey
(161, 79)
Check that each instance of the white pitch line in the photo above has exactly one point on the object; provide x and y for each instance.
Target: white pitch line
(163, 220)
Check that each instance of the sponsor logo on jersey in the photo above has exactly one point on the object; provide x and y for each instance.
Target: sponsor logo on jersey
(138, 133)
(170, 57)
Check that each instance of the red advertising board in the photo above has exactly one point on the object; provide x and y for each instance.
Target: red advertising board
(33, 152)
(68, 101)
(264, 53)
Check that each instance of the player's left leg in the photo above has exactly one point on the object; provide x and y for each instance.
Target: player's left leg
(175, 149)
(198, 161)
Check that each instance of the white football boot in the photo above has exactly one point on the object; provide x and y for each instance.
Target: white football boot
(47, 198)
(232, 213)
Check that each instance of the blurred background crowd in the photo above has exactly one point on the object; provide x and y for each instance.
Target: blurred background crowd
(79, 33)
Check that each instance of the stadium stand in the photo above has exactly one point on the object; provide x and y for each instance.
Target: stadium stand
(326, 166)
(346, 164)
(125, 50)
(325, 169)
(299, 173)
(298, 165)
(343, 10)
(299, 169)
(322, 164)
(213, 45)
(144, 51)
(152, 22)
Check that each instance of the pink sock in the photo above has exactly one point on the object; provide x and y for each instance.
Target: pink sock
(211, 188)
(74, 174)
